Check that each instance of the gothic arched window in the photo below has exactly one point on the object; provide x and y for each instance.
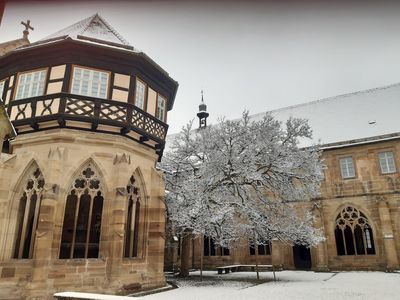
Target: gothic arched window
(82, 219)
(132, 220)
(353, 233)
(212, 249)
(27, 215)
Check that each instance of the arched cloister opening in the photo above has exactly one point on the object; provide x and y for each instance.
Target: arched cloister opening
(133, 219)
(28, 213)
(83, 214)
(353, 233)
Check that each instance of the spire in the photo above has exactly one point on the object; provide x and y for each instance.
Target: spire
(202, 114)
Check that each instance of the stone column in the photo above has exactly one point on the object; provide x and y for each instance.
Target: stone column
(44, 251)
(387, 235)
(117, 214)
(240, 252)
(156, 229)
(277, 254)
(320, 259)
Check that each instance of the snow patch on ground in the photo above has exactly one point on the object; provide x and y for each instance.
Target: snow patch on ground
(289, 285)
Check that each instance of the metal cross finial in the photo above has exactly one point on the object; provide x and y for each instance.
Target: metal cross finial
(27, 27)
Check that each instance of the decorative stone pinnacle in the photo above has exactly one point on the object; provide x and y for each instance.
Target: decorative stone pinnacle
(27, 27)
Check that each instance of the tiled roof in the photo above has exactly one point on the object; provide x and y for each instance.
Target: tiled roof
(347, 117)
(11, 45)
(363, 116)
(93, 29)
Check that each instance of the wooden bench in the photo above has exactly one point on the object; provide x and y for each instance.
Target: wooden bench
(228, 269)
(237, 268)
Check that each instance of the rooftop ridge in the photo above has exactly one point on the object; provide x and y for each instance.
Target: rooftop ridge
(341, 96)
(116, 33)
(82, 28)
(66, 29)
(88, 23)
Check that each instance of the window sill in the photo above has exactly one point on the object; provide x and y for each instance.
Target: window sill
(78, 261)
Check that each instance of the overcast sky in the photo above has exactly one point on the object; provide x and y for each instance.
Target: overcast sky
(245, 55)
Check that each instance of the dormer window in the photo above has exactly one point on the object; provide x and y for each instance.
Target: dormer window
(140, 94)
(31, 84)
(160, 112)
(88, 82)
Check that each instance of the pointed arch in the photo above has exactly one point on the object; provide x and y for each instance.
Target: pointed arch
(81, 229)
(25, 209)
(22, 174)
(353, 232)
(72, 173)
(134, 226)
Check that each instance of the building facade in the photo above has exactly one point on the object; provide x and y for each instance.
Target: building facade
(358, 209)
(82, 205)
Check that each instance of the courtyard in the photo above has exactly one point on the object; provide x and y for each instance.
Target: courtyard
(289, 285)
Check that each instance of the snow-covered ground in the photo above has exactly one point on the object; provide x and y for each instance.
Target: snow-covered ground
(289, 285)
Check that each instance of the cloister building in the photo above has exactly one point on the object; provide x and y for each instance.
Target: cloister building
(358, 209)
(82, 204)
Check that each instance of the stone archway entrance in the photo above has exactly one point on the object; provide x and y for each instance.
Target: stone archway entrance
(301, 257)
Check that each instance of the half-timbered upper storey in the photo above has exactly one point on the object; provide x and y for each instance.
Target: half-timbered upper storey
(87, 77)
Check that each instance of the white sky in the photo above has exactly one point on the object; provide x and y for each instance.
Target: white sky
(245, 55)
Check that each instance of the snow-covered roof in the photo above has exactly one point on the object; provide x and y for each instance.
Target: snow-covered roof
(348, 117)
(363, 116)
(94, 29)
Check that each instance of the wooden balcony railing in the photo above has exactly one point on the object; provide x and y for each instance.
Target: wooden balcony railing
(63, 107)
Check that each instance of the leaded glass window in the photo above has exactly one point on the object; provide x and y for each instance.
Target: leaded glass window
(347, 167)
(211, 248)
(161, 103)
(28, 214)
(263, 249)
(82, 217)
(31, 84)
(386, 161)
(132, 220)
(353, 233)
(88, 82)
(140, 94)
(2, 83)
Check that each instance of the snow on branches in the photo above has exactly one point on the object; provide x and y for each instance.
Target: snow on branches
(240, 178)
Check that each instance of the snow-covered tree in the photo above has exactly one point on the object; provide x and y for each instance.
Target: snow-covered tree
(240, 178)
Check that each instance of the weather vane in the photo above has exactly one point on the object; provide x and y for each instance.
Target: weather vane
(27, 27)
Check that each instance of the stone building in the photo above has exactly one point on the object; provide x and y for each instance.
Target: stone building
(82, 205)
(358, 208)
(7, 130)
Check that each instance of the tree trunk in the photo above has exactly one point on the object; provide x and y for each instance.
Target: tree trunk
(185, 254)
(256, 255)
(201, 257)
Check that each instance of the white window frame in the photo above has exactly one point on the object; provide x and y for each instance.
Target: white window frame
(162, 109)
(347, 167)
(140, 102)
(31, 84)
(91, 90)
(385, 165)
(2, 84)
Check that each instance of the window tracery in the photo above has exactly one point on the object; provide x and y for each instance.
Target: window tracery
(133, 219)
(27, 215)
(353, 233)
(82, 217)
